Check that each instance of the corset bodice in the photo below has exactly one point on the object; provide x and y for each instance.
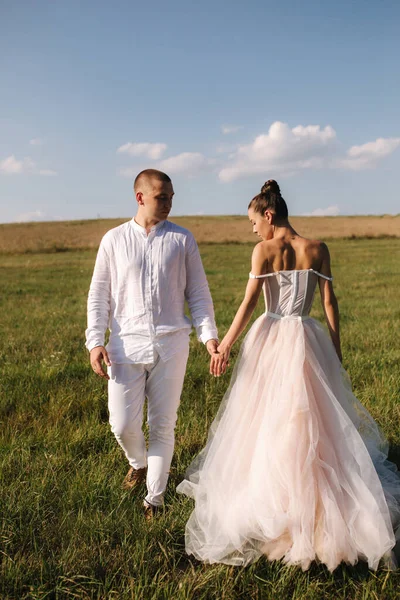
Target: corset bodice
(290, 293)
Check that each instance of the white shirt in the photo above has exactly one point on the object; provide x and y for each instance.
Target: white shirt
(138, 291)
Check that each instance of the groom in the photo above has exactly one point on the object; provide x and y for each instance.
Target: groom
(145, 270)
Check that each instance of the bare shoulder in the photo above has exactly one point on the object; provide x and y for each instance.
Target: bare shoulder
(259, 257)
(320, 248)
(319, 253)
(316, 248)
(262, 250)
(313, 243)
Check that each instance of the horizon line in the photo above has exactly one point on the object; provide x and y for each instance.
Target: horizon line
(202, 216)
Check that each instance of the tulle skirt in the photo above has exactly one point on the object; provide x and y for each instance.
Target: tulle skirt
(295, 468)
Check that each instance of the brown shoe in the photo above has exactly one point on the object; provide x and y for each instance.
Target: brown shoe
(134, 478)
(150, 511)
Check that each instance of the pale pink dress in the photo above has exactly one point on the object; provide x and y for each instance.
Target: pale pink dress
(294, 467)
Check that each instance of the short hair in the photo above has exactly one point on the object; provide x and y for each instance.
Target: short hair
(148, 174)
(270, 198)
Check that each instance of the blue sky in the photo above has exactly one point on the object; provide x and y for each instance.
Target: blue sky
(220, 95)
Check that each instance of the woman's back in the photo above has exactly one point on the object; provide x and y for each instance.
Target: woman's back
(290, 293)
(293, 253)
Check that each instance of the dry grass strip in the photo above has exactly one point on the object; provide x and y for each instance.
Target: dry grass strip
(20, 238)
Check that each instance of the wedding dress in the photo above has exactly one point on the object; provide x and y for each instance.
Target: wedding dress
(294, 466)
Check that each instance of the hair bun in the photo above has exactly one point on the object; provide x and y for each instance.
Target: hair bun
(270, 186)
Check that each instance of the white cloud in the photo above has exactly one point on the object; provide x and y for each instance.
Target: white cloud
(282, 149)
(153, 151)
(36, 142)
(367, 155)
(12, 166)
(188, 163)
(227, 129)
(34, 215)
(285, 150)
(329, 211)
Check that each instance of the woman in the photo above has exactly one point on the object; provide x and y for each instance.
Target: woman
(294, 467)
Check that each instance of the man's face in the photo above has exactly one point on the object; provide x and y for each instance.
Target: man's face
(155, 199)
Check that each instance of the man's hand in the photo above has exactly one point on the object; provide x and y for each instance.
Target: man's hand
(212, 346)
(220, 360)
(97, 355)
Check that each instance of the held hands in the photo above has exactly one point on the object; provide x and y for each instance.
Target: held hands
(97, 355)
(219, 359)
(212, 346)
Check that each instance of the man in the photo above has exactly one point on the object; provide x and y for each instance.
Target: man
(145, 270)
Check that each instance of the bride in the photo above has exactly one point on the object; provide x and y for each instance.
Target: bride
(294, 468)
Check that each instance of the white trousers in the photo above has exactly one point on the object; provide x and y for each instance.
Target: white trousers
(161, 382)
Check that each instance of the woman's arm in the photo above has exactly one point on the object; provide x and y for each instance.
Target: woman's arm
(329, 301)
(219, 360)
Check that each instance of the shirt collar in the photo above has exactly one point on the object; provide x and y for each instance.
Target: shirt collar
(138, 227)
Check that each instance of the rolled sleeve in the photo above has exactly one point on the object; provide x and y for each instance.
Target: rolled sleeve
(99, 300)
(197, 294)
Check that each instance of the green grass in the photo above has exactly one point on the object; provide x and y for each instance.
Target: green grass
(68, 530)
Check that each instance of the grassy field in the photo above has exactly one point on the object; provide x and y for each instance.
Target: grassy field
(68, 530)
(20, 238)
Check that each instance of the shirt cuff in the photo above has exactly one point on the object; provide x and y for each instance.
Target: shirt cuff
(90, 344)
(207, 334)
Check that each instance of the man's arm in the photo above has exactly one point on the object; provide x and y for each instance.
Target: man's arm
(198, 297)
(98, 311)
